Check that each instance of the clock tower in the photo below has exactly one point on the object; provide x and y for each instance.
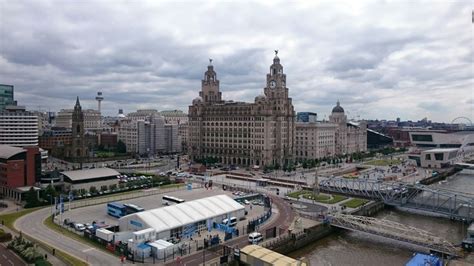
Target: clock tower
(276, 80)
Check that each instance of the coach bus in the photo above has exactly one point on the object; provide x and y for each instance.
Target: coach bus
(116, 209)
(132, 208)
(169, 200)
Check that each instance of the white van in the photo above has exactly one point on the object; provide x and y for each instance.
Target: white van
(255, 238)
(232, 221)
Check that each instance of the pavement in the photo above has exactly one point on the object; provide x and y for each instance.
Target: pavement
(8, 257)
(32, 225)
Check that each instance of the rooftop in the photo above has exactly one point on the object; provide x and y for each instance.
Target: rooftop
(442, 150)
(7, 151)
(77, 175)
(270, 256)
(167, 218)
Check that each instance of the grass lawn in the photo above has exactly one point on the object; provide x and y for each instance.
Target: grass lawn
(296, 194)
(324, 198)
(382, 162)
(335, 199)
(319, 198)
(354, 203)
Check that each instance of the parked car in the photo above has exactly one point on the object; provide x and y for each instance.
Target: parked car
(255, 238)
(79, 227)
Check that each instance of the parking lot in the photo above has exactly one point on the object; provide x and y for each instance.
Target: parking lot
(98, 213)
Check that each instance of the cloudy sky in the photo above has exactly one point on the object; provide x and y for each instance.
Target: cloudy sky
(382, 59)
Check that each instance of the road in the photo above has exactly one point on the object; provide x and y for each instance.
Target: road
(284, 219)
(8, 257)
(32, 225)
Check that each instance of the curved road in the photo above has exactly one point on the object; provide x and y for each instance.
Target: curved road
(32, 225)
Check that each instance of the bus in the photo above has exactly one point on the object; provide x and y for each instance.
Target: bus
(132, 208)
(168, 200)
(116, 209)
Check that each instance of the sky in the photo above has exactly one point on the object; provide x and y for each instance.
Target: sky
(381, 59)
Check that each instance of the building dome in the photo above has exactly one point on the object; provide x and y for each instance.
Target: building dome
(260, 98)
(197, 100)
(338, 108)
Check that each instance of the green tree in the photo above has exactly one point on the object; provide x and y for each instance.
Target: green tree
(121, 147)
(112, 187)
(31, 198)
(93, 190)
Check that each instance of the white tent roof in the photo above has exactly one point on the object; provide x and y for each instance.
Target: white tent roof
(161, 244)
(174, 216)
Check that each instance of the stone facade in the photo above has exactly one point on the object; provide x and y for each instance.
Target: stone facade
(238, 133)
(78, 149)
(351, 137)
(314, 140)
(91, 119)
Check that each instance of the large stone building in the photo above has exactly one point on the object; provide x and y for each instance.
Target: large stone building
(314, 140)
(351, 137)
(91, 119)
(259, 133)
(174, 116)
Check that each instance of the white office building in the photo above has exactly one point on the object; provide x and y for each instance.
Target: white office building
(18, 127)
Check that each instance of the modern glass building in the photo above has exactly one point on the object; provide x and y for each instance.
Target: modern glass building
(6, 96)
(306, 117)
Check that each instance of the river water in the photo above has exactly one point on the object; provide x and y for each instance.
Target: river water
(354, 248)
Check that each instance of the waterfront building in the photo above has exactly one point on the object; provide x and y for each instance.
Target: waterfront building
(351, 137)
(238, 133)
(174, 116)
(314, 140)
(18, 127)
(6, 96)
(306, 117)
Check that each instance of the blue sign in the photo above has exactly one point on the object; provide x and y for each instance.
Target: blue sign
(189, 186)
(225, 228)
(137, 224)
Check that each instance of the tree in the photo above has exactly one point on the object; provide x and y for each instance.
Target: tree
(93, 190)
(121, 147)
(31, 198)
(112, 187)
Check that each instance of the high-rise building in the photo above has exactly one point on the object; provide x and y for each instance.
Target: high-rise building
(18, 127)
(144, 134)
(172, 140)
(6, 96)
(259, 133)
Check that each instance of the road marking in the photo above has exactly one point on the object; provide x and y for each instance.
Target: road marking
(3, 255)
(11, 262)
(89, 249)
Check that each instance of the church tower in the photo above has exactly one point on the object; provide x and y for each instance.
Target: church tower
(210, 86)
(78, 147)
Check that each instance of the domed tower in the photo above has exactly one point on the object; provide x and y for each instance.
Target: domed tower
(210, 86)
(337, 115)
(339, 118)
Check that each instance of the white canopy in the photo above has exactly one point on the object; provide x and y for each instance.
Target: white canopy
(170, 217)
